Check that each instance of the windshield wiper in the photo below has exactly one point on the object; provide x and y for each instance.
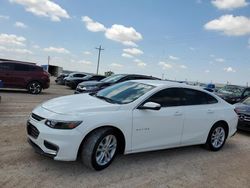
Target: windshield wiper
(107, 99)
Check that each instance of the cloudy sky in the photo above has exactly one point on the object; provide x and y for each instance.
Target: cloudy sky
(204, 40)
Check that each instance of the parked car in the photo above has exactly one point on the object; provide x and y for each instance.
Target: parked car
(243, 111)
(72, 76)
(60, 79)
(210, 87)
(74, 81)
(94, 86)
(15, 74)
(233, 94)
(129, 117)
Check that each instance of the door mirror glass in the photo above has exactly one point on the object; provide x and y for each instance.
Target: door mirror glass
(150, 106)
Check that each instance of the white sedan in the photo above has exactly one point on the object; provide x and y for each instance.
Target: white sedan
(129, 117)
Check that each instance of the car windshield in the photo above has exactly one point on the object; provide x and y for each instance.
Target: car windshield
(232, 90)
(113, 78)
(246, 101)
(124, 93)
(88, 76)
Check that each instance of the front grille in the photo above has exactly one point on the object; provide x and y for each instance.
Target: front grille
(32, 130)
(244, 117)
(37, 117)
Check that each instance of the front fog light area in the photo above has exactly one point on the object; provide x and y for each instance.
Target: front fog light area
(62, 124)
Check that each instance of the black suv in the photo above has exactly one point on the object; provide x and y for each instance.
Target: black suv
(94, 86)
(233, 94)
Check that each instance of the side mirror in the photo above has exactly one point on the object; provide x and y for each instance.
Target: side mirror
(150, 106)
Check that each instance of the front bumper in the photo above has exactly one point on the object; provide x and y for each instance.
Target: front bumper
(54, 143)
(243, 125)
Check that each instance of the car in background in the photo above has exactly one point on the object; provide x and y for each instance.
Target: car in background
(94, 86)
(243, 111)
(129, 117)
(74, 81)
(60, 79)
(233, 94)
(21, 75)
(73, 76)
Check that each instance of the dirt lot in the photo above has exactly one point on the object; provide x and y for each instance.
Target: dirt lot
(183, 167)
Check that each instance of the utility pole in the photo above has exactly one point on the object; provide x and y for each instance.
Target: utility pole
(99, 57)
(48, 63)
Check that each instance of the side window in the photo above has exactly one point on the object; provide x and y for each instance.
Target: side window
(21, 67)
(194, 97)
(246, 93)
(167, 97)
(6, 66)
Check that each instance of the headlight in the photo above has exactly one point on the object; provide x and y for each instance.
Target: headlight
(87, 88)
(62, 124)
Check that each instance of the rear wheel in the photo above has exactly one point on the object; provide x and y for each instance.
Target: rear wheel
(100, 148)
(34, 87)
(216, 138)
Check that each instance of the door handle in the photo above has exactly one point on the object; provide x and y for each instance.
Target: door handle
(210, 111)
(177, 113)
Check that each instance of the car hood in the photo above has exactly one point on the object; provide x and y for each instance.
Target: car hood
(77, 104)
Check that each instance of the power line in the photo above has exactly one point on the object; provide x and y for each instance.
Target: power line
(99, 57)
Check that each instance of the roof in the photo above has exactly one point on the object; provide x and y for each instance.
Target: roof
(160, 83)
(17, 61)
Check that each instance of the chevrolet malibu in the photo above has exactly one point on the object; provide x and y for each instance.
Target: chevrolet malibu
(130, 117)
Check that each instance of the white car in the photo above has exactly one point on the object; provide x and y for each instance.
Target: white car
(129, 117)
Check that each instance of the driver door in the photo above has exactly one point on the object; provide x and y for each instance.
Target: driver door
(158, 129)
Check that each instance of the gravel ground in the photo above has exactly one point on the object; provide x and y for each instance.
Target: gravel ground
(182, 167)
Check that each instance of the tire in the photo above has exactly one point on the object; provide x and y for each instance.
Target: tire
(94, 148)
(217, 137)
(34, 87)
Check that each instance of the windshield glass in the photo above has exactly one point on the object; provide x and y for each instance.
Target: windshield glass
(246, 101)
(232, 90)
(124, 93)
(113, 78)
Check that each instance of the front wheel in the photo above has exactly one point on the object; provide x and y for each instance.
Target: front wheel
(100, 148)
(216, 138)
(34, 87)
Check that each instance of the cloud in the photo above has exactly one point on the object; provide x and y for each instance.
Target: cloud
(56, 50)
(165, 65)
(191, 48)
(15, 50)
(207, 71)
(133, 51)
(43, 8)
(125, 35)
(183, 66)
(128, 36)
(12, 40)
(3, 17)
(229, 69)
(173, 58)
(20, 25)
(92, 25)
(230, 25)
(127, 55)
(140, 63)
(220, 60)
(229, 4)
(87, 53)
(85, 62)
(116, 65)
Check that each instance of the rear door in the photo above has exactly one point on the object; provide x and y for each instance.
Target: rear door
(21, 76)
(199, 110)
